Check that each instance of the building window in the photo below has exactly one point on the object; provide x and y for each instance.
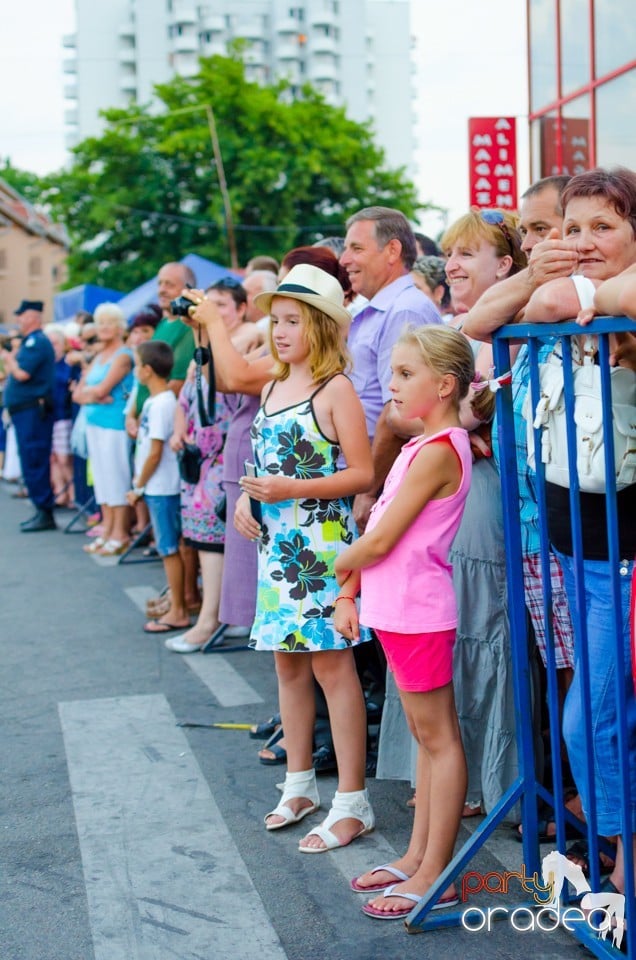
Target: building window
(575, 45)
(35, 266)
(3, 261)
(615, 39)
(615, 131)
(543, 83)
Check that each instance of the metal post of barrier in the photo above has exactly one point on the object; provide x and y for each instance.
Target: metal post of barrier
(526, 788)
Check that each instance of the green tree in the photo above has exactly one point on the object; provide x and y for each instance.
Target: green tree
(28, 185)
(147, 189)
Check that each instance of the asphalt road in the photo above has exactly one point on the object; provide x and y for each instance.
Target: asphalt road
(128, 837)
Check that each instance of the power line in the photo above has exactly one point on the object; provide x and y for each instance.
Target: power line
(246, 228)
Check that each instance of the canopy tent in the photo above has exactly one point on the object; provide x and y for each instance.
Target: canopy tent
(206, 272)
(85, 297)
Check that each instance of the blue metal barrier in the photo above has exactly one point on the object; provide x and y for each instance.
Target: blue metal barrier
(526, 788)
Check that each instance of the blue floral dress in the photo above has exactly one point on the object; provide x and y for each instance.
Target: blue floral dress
(301, 538)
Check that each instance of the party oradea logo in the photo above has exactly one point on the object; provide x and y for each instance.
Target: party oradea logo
(602, 912)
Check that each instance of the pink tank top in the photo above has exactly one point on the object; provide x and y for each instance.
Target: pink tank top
(411, 589)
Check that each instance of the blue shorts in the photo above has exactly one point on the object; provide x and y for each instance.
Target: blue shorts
(165, 516)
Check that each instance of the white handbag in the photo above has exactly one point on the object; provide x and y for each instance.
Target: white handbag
(549, 416)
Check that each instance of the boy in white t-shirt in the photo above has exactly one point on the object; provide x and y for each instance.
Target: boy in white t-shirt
(157, 475)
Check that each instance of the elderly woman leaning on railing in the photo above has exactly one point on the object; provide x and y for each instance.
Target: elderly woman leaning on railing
(600, 218)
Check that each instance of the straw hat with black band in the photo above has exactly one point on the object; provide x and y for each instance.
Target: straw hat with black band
(313, 286)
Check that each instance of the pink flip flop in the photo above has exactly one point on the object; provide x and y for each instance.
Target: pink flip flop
(378, 887)
(372, 911)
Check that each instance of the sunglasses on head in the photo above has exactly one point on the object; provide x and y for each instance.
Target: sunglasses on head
(89, 341)
(495, 218)
(227, 283)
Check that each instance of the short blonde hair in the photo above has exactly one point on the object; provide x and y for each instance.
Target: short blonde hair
(444, 351)
(326, 341)
(110, 311)
(504, 236)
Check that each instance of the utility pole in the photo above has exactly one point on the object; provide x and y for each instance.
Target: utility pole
(227, 206)
(220, 172)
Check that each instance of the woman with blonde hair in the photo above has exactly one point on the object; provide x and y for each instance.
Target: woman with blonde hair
(104, 389)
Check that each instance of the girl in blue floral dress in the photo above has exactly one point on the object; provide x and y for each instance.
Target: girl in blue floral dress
(309, 415)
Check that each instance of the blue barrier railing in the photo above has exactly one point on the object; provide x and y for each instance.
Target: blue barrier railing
(527, 789)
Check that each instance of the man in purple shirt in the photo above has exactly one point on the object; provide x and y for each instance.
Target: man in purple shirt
(378, 256)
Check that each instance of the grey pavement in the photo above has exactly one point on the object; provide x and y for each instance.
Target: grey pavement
(128, 837)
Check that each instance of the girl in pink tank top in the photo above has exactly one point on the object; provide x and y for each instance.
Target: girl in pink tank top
(400, 566)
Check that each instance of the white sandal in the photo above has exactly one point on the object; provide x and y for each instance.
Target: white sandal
(354, 805)
(94, 545)
(301, 784)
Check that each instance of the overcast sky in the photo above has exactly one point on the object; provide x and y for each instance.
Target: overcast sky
(470, 62)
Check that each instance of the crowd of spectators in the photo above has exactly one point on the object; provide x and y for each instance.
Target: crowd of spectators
(154, 419)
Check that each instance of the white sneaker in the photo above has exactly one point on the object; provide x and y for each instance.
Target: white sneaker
(179, 645)
(237, 633)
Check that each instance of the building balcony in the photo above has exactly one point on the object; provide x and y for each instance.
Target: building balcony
(186, 66)
(321, 44)
(183, 13)
(287, 25)
(293, 77)
(70, 91)
(128, 84)
(256, 73)
(69, 40)
(212, 23)
(213, 48)
(322, 18)
(322, 70)
(127, 53)
(69, 65)
(288, 51)
(185, 43)
(250, 30)
(126, 28)
(255, 55)
(71, 138)
(71, 116)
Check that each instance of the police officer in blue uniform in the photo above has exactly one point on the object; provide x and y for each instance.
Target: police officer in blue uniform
(28, 396)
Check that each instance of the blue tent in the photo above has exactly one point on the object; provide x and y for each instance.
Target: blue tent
(86, 297)
(206, 272)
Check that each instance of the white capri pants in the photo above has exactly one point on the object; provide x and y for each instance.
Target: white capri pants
(108, 452)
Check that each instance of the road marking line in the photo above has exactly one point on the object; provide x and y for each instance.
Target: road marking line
(140, 595)
(163, 876)
(221, 678)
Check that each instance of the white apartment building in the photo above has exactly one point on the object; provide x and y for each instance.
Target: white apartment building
(358, 53)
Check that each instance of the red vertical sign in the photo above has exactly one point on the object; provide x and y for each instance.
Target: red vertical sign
(565, 148)
(492, 145)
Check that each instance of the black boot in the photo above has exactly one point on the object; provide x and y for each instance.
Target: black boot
(41, 520)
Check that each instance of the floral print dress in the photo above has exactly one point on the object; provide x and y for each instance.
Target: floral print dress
(202, 521)
(300, 538)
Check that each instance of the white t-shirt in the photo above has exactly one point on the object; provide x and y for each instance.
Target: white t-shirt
(157, 423)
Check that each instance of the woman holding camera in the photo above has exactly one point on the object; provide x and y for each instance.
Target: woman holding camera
(201, 425)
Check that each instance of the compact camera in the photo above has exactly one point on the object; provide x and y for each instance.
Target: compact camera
(181, 307)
